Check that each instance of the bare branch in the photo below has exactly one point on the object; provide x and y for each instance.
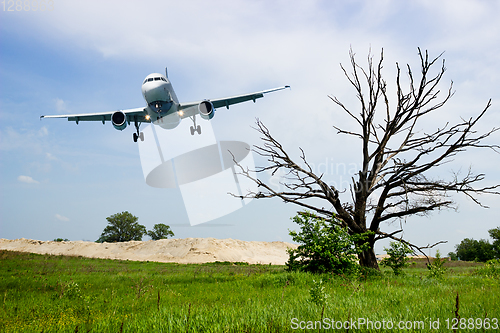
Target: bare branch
(415, 248)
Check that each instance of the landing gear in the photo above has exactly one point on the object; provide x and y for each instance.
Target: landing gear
(138, 135)
(195, 128)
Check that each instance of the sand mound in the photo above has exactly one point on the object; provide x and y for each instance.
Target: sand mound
(188, 250)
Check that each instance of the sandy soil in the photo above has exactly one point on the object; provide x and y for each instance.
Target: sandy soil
(188, 250)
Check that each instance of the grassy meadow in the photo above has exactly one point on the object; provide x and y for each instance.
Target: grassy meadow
(46, 293)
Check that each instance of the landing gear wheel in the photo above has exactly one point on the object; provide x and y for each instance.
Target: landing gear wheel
(195, 128)
(138, 134)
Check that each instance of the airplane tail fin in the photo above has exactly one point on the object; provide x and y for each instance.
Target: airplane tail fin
(166, 72)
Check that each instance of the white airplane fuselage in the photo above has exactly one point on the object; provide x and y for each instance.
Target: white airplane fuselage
(161, 100)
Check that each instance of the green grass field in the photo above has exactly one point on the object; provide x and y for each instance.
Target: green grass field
(44, 293)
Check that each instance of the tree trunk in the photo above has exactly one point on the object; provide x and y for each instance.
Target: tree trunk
(367, 258)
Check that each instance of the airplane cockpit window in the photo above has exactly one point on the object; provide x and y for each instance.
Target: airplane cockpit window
(154, 79)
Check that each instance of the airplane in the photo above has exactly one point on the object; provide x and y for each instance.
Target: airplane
(163, 108)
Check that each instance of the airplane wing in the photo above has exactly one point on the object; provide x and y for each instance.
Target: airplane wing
(190, 109)
(138, 114)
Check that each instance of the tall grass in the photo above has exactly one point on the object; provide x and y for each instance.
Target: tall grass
(44, 293)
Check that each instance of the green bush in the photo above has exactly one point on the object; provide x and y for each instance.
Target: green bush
(61, 240)
(318, 293)
(436, 269)
(490, 269)
(397, 259)
(324, 246)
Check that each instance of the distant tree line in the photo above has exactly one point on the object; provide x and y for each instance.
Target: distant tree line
(124, 227)
(61, 240)
(478, 250)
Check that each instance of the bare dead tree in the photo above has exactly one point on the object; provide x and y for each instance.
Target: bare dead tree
(394, 180)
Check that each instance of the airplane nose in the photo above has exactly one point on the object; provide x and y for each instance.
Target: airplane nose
(156, 92)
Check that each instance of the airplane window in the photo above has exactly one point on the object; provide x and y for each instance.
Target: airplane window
(150, 79)
(163, 79)
(157, 79)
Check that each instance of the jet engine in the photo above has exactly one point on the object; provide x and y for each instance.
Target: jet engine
(119, 120)
(206, 109)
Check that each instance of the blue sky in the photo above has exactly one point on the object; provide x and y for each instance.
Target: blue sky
(59, 179)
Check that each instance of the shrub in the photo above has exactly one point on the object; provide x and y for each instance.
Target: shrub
(490, 269)
(397, 259)
(318, 294)
(436, 269)
(324, 246)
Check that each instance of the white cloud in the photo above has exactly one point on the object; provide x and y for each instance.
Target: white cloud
(51, 157)
(43, 132)
(62, 218)
(27, 180)
(61, 106)
(28, 140)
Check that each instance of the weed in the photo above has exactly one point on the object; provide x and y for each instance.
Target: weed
(72, 290)
(319, 296)
(436, 269)
(457, 307)
(490, 269)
